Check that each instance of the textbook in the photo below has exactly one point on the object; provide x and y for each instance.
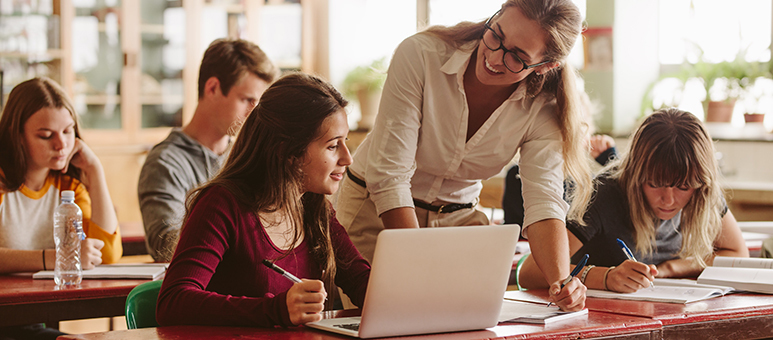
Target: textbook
(148, 271)
(522, 312)
(741, 273)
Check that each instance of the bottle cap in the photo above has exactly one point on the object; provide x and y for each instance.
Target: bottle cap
(68, 194)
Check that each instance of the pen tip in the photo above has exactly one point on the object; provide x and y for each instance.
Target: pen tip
(267, 262)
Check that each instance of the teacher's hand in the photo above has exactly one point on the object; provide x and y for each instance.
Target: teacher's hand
(571, 297)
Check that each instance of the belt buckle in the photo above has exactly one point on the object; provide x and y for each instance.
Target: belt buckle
(440, 210)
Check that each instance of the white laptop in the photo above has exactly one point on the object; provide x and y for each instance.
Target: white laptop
(433, 280)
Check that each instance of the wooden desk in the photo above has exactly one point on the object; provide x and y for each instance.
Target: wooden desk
(735, 316)
(597, 325)
(24, 300)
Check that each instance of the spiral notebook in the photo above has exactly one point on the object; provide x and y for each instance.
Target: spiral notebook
(146, 271)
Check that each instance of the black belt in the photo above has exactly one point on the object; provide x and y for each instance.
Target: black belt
(440, 209)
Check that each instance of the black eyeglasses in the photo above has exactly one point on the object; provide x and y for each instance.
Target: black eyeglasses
(512, 61)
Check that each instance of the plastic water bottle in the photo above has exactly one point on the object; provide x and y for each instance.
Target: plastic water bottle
(68, 233)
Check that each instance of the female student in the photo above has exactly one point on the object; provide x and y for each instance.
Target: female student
(268, 203)
(42, 154)
(458, 103)
(664, 201)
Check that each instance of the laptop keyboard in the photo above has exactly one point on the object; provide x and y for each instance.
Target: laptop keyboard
(350, 326)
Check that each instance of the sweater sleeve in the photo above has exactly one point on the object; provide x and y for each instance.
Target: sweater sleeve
(353, 271)
(161, 191)
(204, 241)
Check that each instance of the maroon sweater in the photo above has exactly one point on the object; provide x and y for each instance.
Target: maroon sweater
(216, 276)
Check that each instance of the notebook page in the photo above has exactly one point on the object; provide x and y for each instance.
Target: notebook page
(670, 294)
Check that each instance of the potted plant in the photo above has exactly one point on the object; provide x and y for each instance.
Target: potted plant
(724, 83)
(754, 91)
(365, 83)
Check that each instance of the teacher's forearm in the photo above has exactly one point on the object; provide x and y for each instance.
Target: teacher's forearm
(403, 217)
(550, 248)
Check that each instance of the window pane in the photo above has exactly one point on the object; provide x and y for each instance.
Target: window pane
(718, 27)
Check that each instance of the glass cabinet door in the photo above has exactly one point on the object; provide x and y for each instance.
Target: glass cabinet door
(97, 60)
(29, 43)
(162, 61)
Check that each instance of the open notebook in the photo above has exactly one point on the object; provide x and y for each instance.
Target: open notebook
(147, 271)
(741, 273)
(667, 290)
(523, 312)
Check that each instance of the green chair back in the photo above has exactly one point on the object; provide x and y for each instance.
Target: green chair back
(141, 305)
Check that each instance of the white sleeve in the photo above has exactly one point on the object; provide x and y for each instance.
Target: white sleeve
(392, 153)
(541, 167)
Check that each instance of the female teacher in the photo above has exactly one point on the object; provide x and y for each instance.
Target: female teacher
(458, 103)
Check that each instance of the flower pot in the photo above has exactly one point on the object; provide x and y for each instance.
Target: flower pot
(720, 111)
(369, 101)
(754, 117)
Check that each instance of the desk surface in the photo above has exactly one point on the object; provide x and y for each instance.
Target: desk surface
(734, 316)
(24, 300)
(597, 325)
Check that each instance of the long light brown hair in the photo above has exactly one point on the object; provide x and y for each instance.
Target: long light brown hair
(672, 148)
(562, 22)
(26, 99)
(263, 169)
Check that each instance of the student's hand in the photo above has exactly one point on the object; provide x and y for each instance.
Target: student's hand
(82, 157)
(599, 144)
(631, 276)
(571, 297)
(91, 253)
(305, 301)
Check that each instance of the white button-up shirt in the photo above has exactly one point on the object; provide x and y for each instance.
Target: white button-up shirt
(418, 146)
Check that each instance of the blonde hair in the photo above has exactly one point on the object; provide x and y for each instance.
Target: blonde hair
(672, 148)
(562, 22)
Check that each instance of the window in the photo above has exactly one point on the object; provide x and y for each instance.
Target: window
(710, 32)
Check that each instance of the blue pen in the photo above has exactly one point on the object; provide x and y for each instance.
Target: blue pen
(629, 254)
(574, 273)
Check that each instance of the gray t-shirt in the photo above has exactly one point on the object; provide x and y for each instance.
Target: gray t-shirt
(608, 219)
(172, 168)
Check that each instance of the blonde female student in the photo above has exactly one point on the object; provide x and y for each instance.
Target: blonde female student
(42, 155)
(663, 199)
(459, 102)
(268, 203)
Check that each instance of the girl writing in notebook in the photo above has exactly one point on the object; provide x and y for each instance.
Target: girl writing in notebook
(663, 199)
(268, 203)
(42, 155)
(458, 104)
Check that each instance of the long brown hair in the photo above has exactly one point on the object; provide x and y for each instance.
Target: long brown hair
(672, 148)
(263, 169)
(26, 99)
(562, 22)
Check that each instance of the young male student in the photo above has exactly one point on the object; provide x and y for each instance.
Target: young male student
(233, 75)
